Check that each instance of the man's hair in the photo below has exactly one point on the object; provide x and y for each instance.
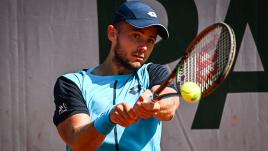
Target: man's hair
(118, 25)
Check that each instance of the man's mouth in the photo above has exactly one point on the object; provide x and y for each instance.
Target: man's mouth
(139, 56)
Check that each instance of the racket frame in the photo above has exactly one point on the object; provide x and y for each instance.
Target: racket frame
(190, 48)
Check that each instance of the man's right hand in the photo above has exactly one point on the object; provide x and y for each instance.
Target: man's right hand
(123, 114)
(145, 107)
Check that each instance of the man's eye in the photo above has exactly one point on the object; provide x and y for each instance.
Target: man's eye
(151, 41)
(136, 36)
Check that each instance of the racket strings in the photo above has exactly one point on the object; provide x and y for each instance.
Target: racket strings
(207, 61)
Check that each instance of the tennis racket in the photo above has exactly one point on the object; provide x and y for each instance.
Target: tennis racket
(207, 61)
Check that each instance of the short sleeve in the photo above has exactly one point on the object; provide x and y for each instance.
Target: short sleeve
(158, 74)
(68, 100)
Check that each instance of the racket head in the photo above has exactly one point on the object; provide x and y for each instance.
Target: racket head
(208, 59)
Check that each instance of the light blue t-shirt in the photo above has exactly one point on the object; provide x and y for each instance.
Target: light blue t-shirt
(102, 92)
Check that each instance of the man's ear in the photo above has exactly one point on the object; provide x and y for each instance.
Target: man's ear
(111, 32)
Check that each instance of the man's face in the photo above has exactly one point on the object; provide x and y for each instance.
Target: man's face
(133, 46)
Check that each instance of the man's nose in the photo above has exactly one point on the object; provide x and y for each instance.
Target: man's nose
(142, 48)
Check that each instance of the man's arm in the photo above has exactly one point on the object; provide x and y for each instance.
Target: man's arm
(79, 133)
(73, 120)
(72, 117)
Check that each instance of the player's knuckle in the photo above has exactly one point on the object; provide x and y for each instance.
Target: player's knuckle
(123, 104)
(118, 107)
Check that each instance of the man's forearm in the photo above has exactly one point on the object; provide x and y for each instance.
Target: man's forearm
(86, 138)
(79, 133)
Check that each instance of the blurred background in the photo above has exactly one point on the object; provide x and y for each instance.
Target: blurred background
(41, 40)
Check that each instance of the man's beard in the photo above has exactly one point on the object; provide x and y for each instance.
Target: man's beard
(120, 58)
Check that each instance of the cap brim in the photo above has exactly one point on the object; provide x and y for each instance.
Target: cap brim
(142, 23)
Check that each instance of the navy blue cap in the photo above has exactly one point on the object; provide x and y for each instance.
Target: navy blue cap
(139, 15)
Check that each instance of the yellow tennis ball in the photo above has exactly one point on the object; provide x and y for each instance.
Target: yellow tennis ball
(191, 92)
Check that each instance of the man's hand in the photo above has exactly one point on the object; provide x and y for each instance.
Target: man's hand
(163, 109)
(168, 108)
(145, 107)
(123, 115)
(168, 104)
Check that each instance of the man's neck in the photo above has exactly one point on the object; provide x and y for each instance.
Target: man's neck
(109, 68)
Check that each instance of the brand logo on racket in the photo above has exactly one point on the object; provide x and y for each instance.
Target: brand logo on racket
(207, 61)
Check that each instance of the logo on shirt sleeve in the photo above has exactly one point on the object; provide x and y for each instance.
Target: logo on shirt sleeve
(62, 108)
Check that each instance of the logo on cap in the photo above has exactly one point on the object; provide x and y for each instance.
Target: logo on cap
(152, 14)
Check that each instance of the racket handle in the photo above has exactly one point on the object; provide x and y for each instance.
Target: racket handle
(159, 97)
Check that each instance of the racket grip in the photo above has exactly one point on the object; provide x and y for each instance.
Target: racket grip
(157, 97)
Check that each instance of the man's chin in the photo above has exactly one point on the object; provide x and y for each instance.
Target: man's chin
(136, 65)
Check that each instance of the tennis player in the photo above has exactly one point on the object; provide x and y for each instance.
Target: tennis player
(108, 107)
